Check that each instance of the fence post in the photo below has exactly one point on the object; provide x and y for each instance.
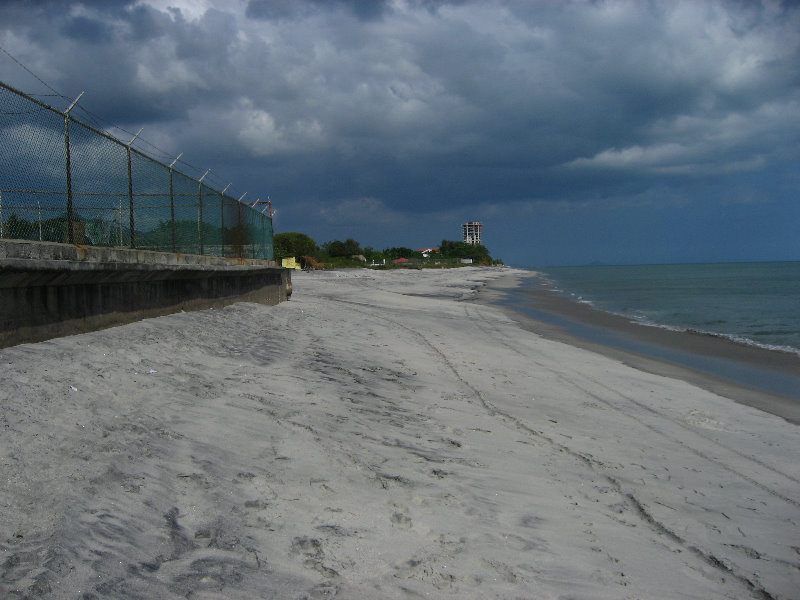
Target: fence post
(222, 219)
(172, 201)
(200, 211)
(1, 214)
(70, 232)
(239, 224)
(262, 224)
(252, 225)
(39, 204)
(130, 189)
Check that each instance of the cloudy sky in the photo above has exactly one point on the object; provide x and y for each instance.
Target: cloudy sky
(576, 131)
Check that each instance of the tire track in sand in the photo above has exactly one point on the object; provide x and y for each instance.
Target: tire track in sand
(570, 382)
(476, 317)
(592, 464)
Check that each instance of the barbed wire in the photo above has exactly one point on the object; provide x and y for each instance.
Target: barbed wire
(39, 79)
(103, 124)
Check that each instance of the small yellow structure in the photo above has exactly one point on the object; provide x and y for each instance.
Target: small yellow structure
(290, 263)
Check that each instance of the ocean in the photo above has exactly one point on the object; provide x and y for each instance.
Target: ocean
(750, 303)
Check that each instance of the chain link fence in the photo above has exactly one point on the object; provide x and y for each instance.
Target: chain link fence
(62, 180)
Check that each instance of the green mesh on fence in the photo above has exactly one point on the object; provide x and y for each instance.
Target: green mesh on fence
(62, 180)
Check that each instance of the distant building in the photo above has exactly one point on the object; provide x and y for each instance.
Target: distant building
(426, 252)
(472, 232)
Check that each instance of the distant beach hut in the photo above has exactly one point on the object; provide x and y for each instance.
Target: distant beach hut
(400, 260)
(290, 263)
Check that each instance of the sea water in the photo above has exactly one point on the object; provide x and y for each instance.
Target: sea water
(751, 303)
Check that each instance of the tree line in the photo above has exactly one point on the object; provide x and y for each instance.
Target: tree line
(294, 244)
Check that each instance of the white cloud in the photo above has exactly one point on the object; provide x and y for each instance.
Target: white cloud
(668, 159)
(191, 9)
(633, 157)
(258, 131)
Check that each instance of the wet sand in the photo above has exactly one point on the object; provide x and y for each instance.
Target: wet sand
(765, 379)
(381, 435)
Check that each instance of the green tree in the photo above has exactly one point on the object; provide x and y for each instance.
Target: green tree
(349, 247)
(477, 252)
(18, 228)
(294, 244)
(401, 252)
(187, 237)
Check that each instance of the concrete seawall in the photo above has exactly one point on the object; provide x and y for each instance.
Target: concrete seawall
(49, 290)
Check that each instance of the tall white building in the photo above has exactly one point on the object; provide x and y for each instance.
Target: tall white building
(472, 232)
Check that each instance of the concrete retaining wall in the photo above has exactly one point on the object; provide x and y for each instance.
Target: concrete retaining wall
(49, 290)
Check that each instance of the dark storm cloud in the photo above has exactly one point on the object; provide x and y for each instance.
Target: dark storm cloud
(284, 9)
(438, 107)
(86, 30)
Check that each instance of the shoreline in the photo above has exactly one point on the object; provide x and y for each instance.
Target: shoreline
(748, 374)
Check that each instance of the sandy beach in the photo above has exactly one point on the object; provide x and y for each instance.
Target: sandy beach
(381, 435)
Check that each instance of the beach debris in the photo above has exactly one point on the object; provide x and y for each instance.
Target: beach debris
(73, 388)
(310, 263)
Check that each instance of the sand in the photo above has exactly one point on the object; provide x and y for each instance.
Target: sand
(380, 436)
